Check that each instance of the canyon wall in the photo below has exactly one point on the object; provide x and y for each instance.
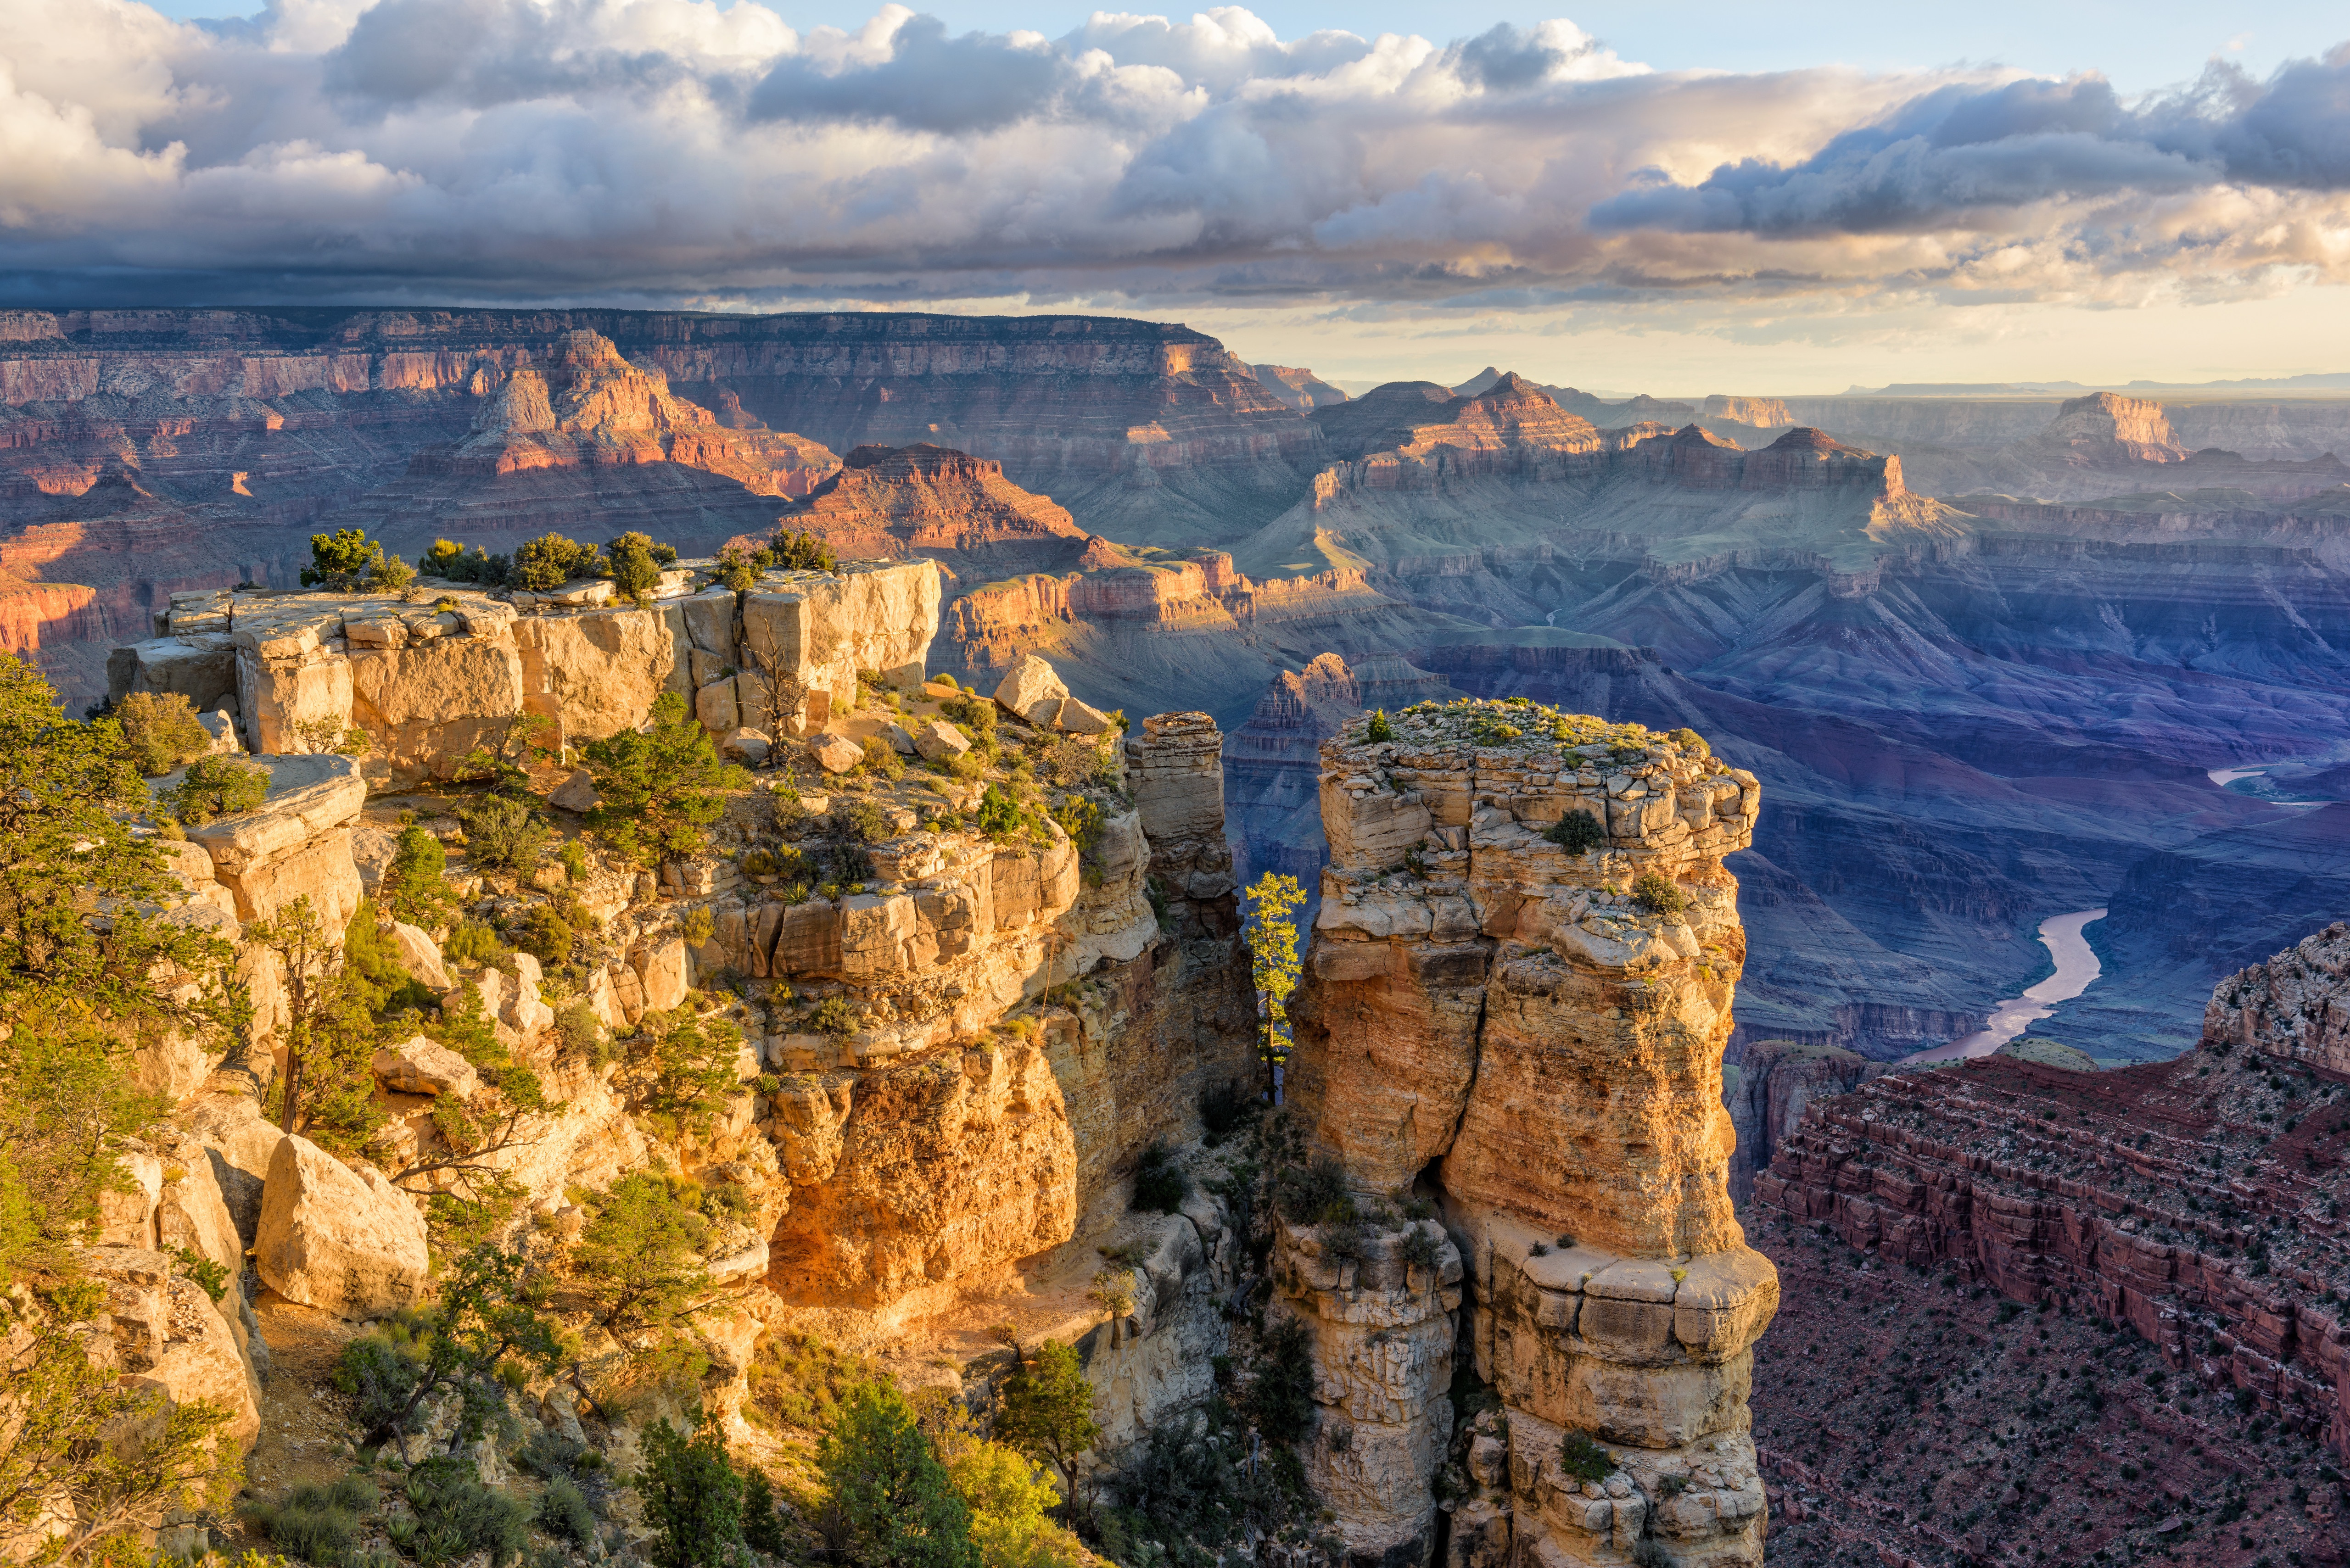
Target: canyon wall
(1491, 1024)
(2197, 1200)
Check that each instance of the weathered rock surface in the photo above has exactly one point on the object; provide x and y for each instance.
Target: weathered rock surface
(2195, 1200)
(296, 844)
(1032, 690)
(1488, 1022)
(429, 685)
(345, 1242)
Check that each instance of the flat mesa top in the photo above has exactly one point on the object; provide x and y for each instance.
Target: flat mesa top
(1521, 727)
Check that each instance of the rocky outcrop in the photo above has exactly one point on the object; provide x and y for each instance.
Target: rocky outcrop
(2297, 1005)
(592, 407)
(296, 843)
(1489, 1020)
(433, 673)
(1763, 414)
(2107, 428)
(1298, 389)
(343, 1240)
(2195, 1200)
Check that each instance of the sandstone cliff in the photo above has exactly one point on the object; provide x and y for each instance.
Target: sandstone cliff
(1491, 1024)
(943, 505)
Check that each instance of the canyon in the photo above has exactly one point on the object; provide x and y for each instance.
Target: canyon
(1992, 645)
(2174, 1229)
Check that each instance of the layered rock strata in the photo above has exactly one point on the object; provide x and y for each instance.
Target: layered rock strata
(2197, 1200)
(433, 672)
(1767, 1090)
(1490, 1021)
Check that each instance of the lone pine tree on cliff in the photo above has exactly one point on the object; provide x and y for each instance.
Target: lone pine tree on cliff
(1273, 958)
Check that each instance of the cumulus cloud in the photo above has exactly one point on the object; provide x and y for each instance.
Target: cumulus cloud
(1959, 155)
(676, 151)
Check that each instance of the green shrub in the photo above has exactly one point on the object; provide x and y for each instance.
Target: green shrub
(1378, 729)
(836, 1017)
(896, 1501)
(1580, 1457)
(160, 731)
(582, 1032)
(1159, 1183)
(1658, 895)
(1577, 832)
(474, 943)
(1282, 1398)
(801, 552)
(638, 1261)
(380, 1370)
(635, 566)
(549, 561)
(413, 885)
(799, 1380)
(500, 831)
(206, 1276)
(457, 1516)
(217, 786)
(318, 1524)
(1314, 1194)
(763, 1527)
(342, 560)
(692, 1497)
(563, 1511)
(861, 821)
(1422, 1249)
(544, 934)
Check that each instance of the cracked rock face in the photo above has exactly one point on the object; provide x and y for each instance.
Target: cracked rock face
(1521, 1022)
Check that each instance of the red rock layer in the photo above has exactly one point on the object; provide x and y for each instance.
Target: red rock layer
(2197, 1200)
(1904, 1418)
(946, 505)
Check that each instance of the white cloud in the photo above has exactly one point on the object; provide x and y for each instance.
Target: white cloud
(645, 151)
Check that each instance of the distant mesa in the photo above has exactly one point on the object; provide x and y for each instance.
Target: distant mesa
(591, 407)
(2107, 428)
(1763, 414)
(942, 504)
(1299, 388)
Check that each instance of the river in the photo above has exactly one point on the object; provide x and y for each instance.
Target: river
(2076, 968)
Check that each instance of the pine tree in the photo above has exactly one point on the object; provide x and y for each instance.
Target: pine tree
(1048, 1411)
(901, 1508)
(692, 1497)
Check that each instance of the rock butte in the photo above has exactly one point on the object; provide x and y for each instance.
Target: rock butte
(1487, 1023)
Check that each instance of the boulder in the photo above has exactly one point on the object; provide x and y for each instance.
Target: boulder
(170, 1063)
(901, 741)
(126, 1217)
(420, 955)
(241, 1146)
(716, 706)
(939, 742)
(745, 746)
(169, 1337)
(419, 1066)
(576, 793)
(345, 1242)
(221, 725)
(1080, 719)
(837, 754)
(512, 1003)
(660, 970)
(297, 843)
(1032, 690)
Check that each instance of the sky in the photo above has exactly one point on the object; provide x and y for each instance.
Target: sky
(1681, 200)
